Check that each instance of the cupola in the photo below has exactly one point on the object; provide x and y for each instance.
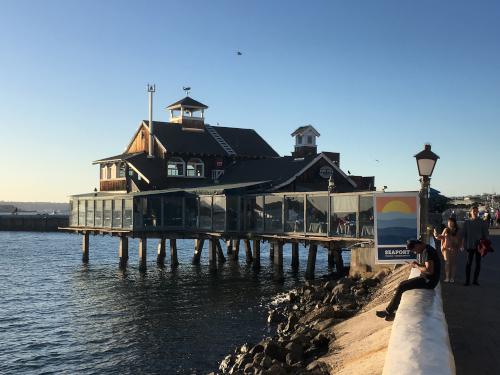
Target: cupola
(188, 112)
(305, 141)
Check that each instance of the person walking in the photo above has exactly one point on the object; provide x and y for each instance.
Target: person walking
(497, 217)
(475, 229)
(430, 271)
(450, 246)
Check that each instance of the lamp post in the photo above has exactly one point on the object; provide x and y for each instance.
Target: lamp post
(426, 161)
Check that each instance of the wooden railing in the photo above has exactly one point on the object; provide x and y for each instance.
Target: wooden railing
(113, 185)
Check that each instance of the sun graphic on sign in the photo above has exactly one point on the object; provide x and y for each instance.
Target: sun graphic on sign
(404, 205)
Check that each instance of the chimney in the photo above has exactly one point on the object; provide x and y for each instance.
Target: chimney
(151, 90)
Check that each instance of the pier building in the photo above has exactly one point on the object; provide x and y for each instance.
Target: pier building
(184, 178)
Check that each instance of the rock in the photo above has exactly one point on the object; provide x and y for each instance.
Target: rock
(259, 348)
(380, 275)
(323, 313)
(324, 324)
(329, 285)
(296, 353)
(341, 289)
(226, 363)
(257, 359)
(360, 292)
(292, 297)
(266, 362)
(275, 369)
(345, 281)
(275, 316)
(242, 360)
(317, 368)
(320, 341)
(293, 319)
(369, 283)
(245, 348)
(275, 351)
(248, 368)
(344, 313)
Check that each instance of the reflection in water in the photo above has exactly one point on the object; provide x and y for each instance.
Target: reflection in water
(59, 315)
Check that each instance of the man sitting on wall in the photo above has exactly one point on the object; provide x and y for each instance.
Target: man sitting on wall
(430, 271)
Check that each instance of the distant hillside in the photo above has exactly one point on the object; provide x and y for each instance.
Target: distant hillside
(41, 207)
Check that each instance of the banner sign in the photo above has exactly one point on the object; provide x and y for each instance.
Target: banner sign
(397, 217)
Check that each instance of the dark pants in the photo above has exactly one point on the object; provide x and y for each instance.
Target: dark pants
(415, 283)
(470, 258)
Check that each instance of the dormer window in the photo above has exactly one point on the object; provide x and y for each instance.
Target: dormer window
(175, 167)
(309, 139)
(195, 168)
(299, 139)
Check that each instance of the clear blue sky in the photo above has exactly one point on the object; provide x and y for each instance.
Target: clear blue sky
(377, 79)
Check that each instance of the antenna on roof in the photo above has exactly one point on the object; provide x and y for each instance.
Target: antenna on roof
(186, 89)
(151, 90)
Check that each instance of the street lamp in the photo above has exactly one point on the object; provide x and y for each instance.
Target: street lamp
(426, 161)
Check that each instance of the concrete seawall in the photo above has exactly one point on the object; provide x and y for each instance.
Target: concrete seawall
(34, 223)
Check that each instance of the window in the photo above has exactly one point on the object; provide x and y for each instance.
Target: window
(299, 139)
(175, 167)
(195, 168)
(103, 172)
(108, 172)
(309, 139)
(121, 170)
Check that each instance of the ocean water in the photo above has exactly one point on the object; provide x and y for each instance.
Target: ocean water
(58, 315)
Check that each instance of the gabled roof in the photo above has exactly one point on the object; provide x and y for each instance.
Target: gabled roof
(187, 102)
(121, 157)
(245, 142)
(302, 130)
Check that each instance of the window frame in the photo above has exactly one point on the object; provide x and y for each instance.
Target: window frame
(195, 162)
(176, 161)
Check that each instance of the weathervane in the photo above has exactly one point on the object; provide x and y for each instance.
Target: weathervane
(186, 89)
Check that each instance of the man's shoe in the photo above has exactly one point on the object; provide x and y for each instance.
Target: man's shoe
(384, 314)
(475, 283)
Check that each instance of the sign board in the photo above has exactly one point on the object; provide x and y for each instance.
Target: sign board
(397, 218)
(326, 171)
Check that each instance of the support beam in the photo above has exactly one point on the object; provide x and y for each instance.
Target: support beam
(174, 262)
(123, 251)
(198, 247)
(212, 254)
(339, 262)
(236, 250)
(162, 253)
(311, 261)
(220, 253)
(271, 251)
(278, 260)
(85, 247)
(295, 256)
(331, 257)
(248, 251)
(143, 245)
(256, 254)
(229, 247)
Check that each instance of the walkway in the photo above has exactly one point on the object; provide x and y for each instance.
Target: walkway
(473, 315)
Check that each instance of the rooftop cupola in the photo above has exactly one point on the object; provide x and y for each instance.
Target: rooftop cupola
(305, 141)
(188, 112)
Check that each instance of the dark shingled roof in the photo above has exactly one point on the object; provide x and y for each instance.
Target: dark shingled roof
(277, 170)
(188, 102)
(245, 142)
(116, 158)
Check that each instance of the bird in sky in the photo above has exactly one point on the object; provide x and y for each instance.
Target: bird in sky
(348, 172)
(239, 53)
(378, 161)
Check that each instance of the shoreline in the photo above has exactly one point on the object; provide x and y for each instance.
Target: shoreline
(318, 324)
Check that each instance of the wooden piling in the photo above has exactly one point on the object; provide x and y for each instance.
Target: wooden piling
(271, 251)
(212, 254)
(229, 247)
(278, 254)
(198, 247)
(162, 253)
(339, 262)
(85, 247)
(236, 250)
(295, 256)
(311, 261)
(331, 256)
(256, 254)
(174, 262)
(248, 250)
(220, 253)
(143, 245)
(123, 251)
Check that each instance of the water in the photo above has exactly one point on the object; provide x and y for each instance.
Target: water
(60, 316)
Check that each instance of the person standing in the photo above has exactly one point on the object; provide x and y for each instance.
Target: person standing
(430, 271)
(450, 245)
(475, 229)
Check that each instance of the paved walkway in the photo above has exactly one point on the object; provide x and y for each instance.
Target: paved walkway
(473, 315)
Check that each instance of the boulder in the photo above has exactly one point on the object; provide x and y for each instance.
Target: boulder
(275, 316)
(324, 324)
(226, 363)
(275, 351)
(259, 348)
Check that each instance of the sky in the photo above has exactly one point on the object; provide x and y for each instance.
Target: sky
(377, 79)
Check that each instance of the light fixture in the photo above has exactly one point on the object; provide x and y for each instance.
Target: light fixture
(426, 161)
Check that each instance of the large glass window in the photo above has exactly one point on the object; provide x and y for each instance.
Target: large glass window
(81, 212)
(175, 167)
(206, 212)
(366, 218)
(343, 215)
(172, 211)
(219, 213)
(195, 168)
(232, 213)
(90, 213)
(294, 214)
(121, 170)
(191, 211)
(107, 213)
(117, 213)
(127, 213)
(273, 209)
(151, 211)
(98, 214)
(254, 213)
(317, 214)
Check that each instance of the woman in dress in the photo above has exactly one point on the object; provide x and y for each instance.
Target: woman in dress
(450, 245)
